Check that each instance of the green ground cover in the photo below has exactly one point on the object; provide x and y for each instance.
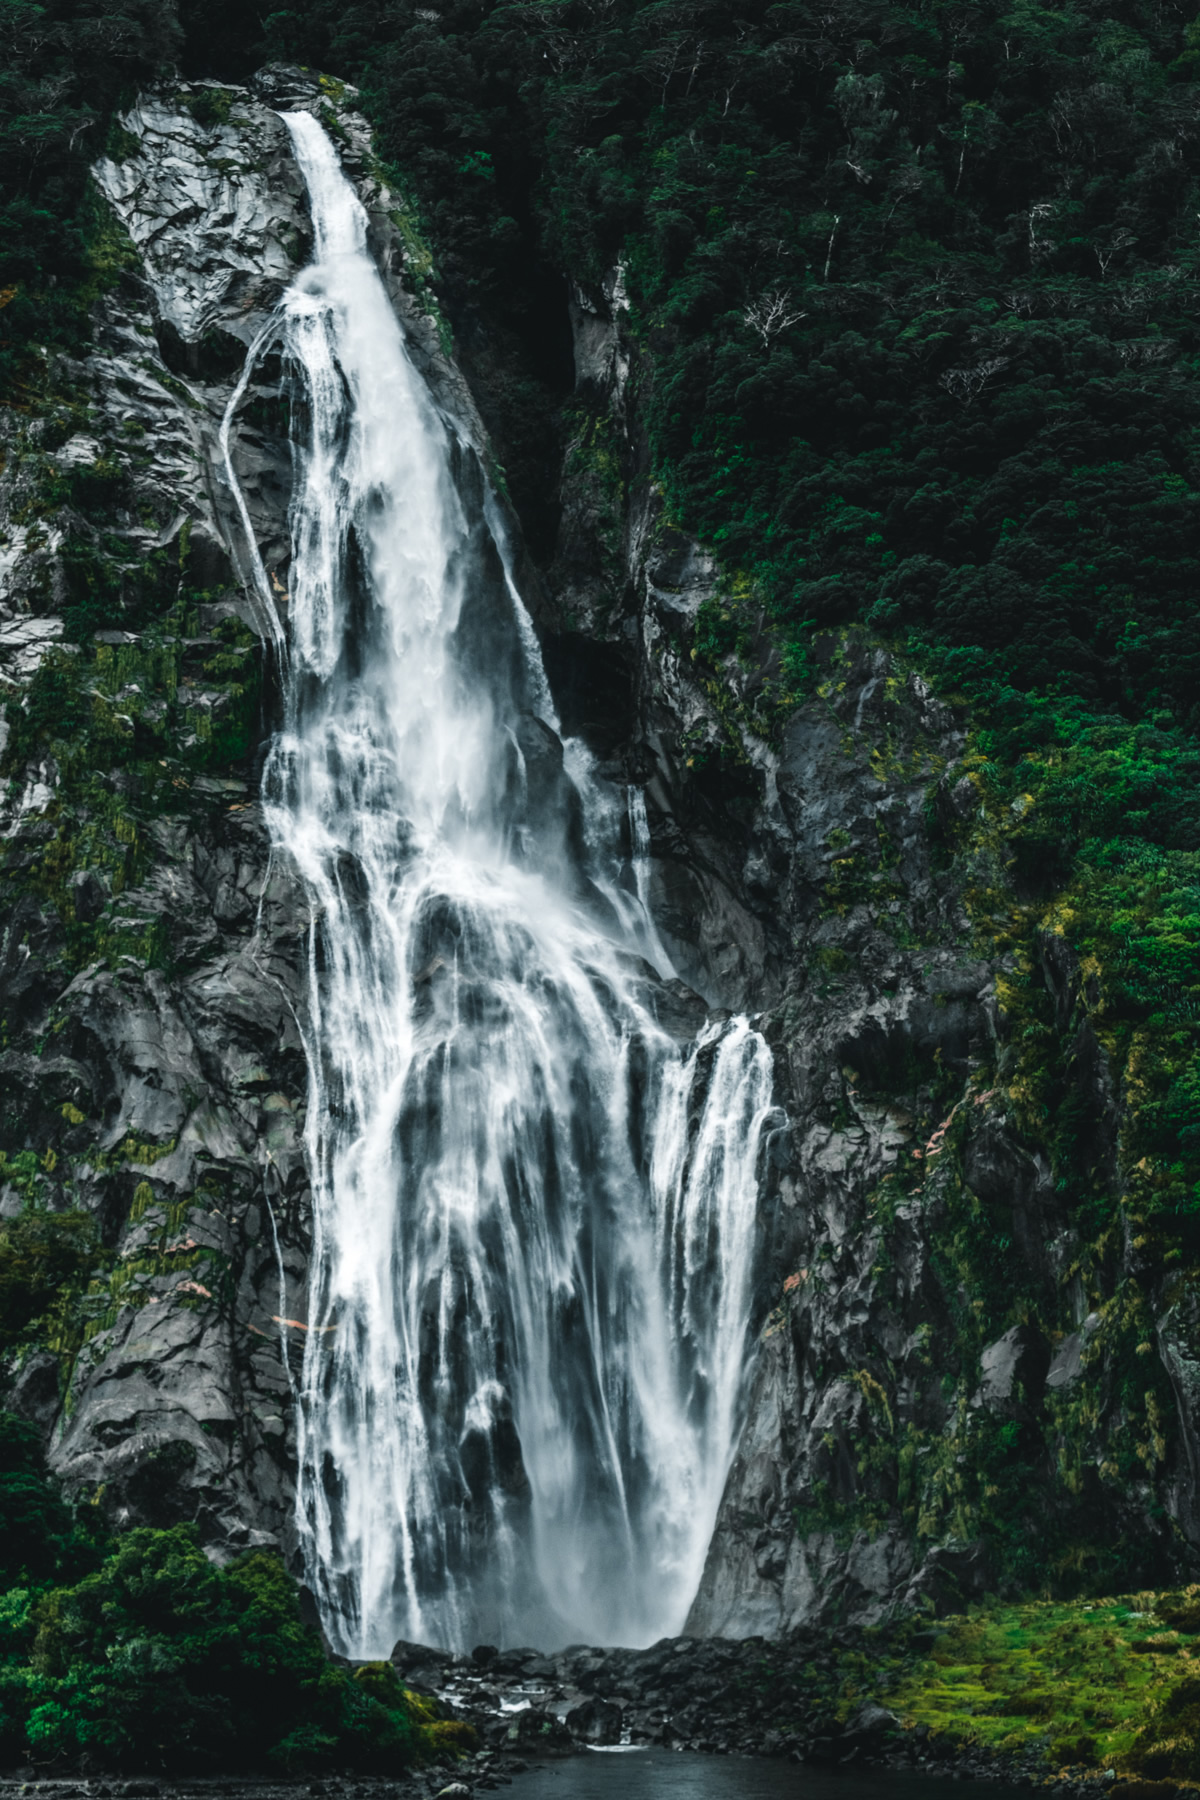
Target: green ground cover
(1084, 1686)
(1093, 1684)
(142, 1654)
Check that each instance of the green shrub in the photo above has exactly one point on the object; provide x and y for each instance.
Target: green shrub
(1180, 1612)
(1168, 1745)
(148, 1655)
(41, 1538)
(41, 1254)
(159, 1658)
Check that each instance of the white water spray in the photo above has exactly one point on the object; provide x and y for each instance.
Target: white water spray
(534, 1213)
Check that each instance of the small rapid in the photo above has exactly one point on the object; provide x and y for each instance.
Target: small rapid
(534, 1211)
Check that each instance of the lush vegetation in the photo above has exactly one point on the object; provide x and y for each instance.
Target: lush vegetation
(1108, 1683)
(64, 65)
(144, 1654)
(1096, 1684)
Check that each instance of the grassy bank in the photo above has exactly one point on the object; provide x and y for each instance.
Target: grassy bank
(1090, 1685)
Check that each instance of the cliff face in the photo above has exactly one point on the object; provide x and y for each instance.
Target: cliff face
(947, 1365)
(969, 1375)
(152, 955)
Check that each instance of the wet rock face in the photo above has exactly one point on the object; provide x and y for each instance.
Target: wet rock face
(817, 880)
(152, 1071)
(171, 1107)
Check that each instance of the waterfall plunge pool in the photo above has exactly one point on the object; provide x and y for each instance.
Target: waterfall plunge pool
(654, 1774)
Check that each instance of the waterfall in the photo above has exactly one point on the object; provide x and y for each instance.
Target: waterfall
(533, 1210)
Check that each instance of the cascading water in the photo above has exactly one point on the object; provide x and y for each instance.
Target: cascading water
(534, 1213)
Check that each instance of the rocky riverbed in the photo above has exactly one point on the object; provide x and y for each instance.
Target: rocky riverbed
(748, 1698)
(492, 1768)
(756, 1698)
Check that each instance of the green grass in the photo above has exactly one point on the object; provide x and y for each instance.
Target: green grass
(1089, 1683)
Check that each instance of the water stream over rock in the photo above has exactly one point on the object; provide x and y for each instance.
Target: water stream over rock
(534, 1206)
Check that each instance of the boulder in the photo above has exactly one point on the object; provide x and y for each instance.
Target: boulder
(595, 1722)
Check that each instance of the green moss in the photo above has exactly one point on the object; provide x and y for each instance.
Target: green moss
(1083, 1684)
(129, 725)
(120, 145)
(418, 272)
(210, 106)
(46, 1260)
(332, 123)
(1089, 1685)
(110, 251)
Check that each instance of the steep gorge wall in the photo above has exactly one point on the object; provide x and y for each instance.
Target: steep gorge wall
(152, 956)
(972, 1374)
(949, 1365)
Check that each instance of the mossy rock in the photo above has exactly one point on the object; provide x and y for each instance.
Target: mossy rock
(1168, 1746)
(1075, 1752)
(1181, 1612)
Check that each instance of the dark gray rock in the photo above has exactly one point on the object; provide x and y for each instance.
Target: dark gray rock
(1012, 1369)
(1066, 1363)
(537, 1733)
(595, 1722)
(870, 1726)
(949, 1579)
(406, 1656)
(35, 1391)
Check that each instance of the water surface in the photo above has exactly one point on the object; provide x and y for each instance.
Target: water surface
(675, 1775)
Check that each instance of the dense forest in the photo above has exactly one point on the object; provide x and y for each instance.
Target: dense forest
(915, 292)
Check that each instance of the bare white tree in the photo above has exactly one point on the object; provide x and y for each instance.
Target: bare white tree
(1120, 240)
(837, 219)
(772, 314)
(1043, 210)
(1148, 350)
(668, 59)
(967, 384)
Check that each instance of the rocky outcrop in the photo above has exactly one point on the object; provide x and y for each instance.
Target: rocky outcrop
(152, 949)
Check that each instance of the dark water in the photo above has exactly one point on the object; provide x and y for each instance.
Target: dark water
(674, 1775)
